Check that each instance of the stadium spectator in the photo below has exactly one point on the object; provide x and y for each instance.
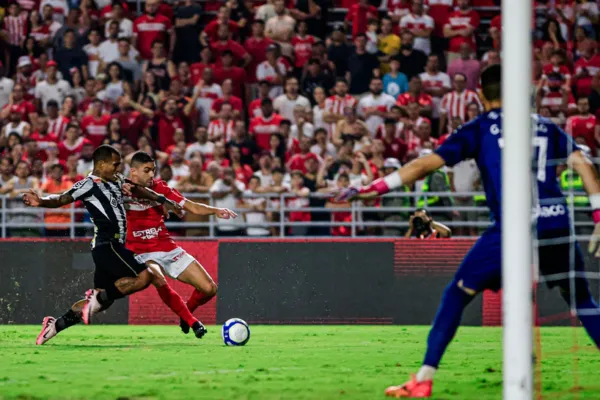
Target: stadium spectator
(361, 66)
(460, 29)
(256, 215)
(286, 104)
(583, 124)
(467, 66)
(152, 27)
(395, 82)
(21, 183)
(454, 104)
(51, 88)
(420, 25)
(52, 185)
(226, 191)
(412, 61)
(435, 83)
(263, 126)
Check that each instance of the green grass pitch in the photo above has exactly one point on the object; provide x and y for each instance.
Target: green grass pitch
(279, 362)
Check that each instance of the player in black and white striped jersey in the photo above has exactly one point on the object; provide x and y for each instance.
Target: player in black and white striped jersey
(117, 272)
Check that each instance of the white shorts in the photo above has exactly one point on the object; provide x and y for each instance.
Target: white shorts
(174, 262)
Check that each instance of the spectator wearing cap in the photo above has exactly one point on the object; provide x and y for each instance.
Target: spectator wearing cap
(412, 61)
(51, 88)
(25, 75)
(460, 29)
(187, 28)
(361, 67)
(151, 27)
(55, 184)
(420, 24)
(71, 56)
(16, 123)
(272, 70)
(280, 28)
(467, 66)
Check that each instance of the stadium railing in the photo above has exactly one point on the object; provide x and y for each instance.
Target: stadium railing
(359, 218)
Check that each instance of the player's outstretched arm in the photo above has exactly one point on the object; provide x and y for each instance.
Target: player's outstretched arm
(406, 175)
(32, 199)
(203, 209)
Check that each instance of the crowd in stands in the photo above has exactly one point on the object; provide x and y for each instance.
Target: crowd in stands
(247, 97)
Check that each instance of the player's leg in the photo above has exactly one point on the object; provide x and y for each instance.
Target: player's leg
(204, 288)
(173, 300)
(556, 259)
(481, 269)
(130, 276)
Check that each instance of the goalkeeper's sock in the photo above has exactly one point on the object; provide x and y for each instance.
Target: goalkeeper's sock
(176, 304)
(198, 299)
(446, 323)
(69, 319)
(426, 373)
(384, 185)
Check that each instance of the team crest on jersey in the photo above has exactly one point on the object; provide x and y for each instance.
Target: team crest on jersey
(114, 202)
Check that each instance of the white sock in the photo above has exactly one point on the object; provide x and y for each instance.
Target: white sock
(393, 180)
(425, 373)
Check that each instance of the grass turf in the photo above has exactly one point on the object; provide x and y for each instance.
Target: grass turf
(279, 362)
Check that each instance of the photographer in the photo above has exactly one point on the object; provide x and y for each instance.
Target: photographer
(422, 226)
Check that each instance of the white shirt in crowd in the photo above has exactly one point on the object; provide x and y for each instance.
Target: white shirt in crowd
(265, 180)
(383, 102)
(206, 149)
(466, 174)
(6, 88)
(418, 22)
(180, 172)
(328, 150)
(84, 167)
(208, 95)
(265, 71)
(60, 7)
(228, 201)
(93, 53)
(284, 106)
(439, 80)
(109, 51)
(125, 28)
(256, 219)
(45, 92)
(308, 130)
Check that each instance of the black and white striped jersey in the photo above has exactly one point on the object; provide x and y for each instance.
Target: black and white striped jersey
(104, 201)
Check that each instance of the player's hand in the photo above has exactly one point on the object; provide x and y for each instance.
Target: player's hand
(347, 194)
(594, 245)
(126, 188)
(31, 199)
(225, 213)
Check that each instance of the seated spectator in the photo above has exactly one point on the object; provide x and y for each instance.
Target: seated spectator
(322, 147)
(416, 95)
(6, 173)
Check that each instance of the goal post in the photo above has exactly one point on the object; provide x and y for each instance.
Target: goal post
(517, 200)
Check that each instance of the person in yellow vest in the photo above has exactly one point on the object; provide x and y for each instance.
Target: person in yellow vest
(571, 185)
(437, 181)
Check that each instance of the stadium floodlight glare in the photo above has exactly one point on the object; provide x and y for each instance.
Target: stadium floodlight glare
(517, 200)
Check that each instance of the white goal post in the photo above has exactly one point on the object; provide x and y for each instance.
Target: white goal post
(517, 200)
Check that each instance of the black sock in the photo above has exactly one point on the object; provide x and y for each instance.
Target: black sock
(69, 319)
(110, 294)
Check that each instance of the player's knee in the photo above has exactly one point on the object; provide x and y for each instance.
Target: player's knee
(208, 288)
(212, 289)
(158, 281)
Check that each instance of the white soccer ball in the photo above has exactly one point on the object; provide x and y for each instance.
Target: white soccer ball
(235, 332)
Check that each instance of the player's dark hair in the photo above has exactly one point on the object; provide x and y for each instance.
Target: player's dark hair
(141, 157)
(104, 153)
(491, 86)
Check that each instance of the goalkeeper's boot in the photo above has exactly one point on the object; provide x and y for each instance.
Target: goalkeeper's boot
(411, 389)
(185, 328)
(199, 329)
(91, 306)
(48, 330)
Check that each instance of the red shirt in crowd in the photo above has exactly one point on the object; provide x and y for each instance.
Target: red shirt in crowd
(94, 128)
(583, 126)
(197, 69)
(166, 129)
(262, 128)
(213, 27)
(44, 141)
(149, 29)
(243, 173)
(257, 48)
(583, 84)
(25, 108)
(359, 15)
(237, 76)
(146, 230)
(302, 49)
(236, 103)
(219, 47)
(254, 109)
(407, 98)
(396, 148)
(439, 10)
(298, 160)
(130, 123)
(462, 20)
(65, 150)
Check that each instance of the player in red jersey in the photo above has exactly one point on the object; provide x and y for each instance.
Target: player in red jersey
(149, 238)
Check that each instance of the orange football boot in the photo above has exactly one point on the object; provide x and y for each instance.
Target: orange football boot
(411, 389)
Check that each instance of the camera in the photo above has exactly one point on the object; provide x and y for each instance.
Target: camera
(420, 227)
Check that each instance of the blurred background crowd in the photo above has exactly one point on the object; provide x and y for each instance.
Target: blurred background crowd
(298, 97)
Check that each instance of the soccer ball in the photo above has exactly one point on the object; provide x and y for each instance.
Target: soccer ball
(236, 332)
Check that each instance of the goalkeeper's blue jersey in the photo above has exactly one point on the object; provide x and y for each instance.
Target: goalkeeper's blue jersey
(481, 140)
